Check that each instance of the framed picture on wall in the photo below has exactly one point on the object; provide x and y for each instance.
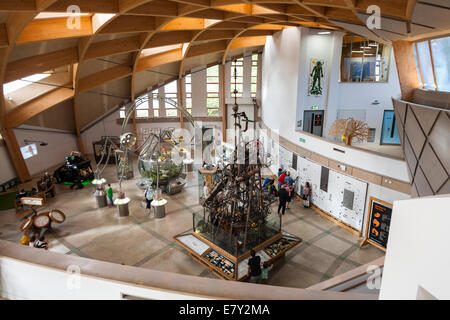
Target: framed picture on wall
(316, 77)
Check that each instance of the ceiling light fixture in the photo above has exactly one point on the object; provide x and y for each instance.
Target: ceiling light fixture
(324, 32)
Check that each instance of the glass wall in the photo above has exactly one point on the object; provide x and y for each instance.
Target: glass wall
(212, 91)
(237, 78)
(188, 90)
(254, 83)
(433, 63)
(210, 86)
(364, 60)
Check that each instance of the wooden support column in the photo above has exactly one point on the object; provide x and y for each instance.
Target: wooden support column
(180, 99)
(406, 68)
(16, 155)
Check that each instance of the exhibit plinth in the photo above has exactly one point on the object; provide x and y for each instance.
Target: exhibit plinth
(160, 208)
(100, 194)
(188, 165)
(122, 205)
(100, 198)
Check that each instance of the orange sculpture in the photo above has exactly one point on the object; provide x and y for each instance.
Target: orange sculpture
(350, 129)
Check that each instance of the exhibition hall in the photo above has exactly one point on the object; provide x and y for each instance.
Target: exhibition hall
(225, 150)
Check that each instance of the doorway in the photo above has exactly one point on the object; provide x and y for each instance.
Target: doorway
(313, 122)
(389, 133)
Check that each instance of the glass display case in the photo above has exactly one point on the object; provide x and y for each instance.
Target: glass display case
(227, 242)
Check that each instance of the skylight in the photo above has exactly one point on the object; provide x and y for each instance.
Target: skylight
(152, 51)
(22, 83)
(49, 15)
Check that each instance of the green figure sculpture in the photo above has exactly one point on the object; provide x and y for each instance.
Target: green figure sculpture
(317, 74)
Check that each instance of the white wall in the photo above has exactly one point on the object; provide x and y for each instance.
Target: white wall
(418, 250)
(279, 80)
(60, 144)
(23, 281)
(341, 95)
(7, 172)
(106, 127)
(359, 96)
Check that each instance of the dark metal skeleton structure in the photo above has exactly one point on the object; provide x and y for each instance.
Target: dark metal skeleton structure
(237, 204)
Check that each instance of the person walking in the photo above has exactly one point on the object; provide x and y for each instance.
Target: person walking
(148, 195)
(283, 196)
(266, 267)
(289, 182)
(281, 180)
(110, 196)
(254, 267)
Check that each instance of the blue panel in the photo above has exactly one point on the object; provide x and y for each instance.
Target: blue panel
(389, 134)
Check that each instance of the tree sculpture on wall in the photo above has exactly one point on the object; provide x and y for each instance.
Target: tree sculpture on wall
(350, 129)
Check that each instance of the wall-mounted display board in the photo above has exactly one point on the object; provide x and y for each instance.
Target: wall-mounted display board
(378, 223)
(340, 196)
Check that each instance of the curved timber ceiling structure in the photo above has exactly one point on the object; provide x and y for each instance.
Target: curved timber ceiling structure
(123, 47)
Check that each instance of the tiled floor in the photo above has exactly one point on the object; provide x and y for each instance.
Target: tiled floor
(139, 240)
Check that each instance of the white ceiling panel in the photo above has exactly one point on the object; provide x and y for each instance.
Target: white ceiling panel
(360, 30)
(431, 16)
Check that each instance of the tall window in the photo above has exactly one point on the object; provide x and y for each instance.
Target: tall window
(237, 82)
(188, 88)
(364, 60)
(254, 83)
(142, 111)
(212, 91)
(433, 63)
(153, 96)
(170, 91)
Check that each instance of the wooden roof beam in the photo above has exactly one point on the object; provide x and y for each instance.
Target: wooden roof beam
(40, 63)
(14, 5)
(112, 47)
(129, 24)
(36, 106)
(206, 48)
(50, 29)
(86, 6)
(169, 38)
(159, 59)
(100, 78)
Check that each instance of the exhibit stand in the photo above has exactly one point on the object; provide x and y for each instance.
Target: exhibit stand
(100, 194)
(122, 205)
(160, 208)
(188, 165)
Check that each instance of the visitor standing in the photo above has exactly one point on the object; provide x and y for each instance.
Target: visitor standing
(265, 272)
(281, 180)
(283, 196)
(306, 195)
(254, 267)
(110, 196)
(280, 171)
(289, 182)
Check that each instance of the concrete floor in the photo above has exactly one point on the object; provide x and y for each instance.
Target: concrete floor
(140, 240)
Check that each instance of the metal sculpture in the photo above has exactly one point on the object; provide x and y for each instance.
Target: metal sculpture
(237, 205)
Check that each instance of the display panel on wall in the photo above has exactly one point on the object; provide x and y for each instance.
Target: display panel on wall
(341, 196)
(378, 223)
